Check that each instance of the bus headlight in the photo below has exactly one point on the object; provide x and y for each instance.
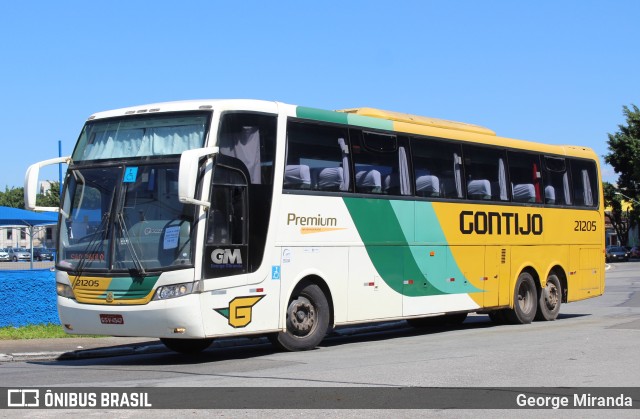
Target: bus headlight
(64, 290)
(178, 290)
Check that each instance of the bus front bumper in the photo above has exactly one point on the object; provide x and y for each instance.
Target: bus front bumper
(174, 318)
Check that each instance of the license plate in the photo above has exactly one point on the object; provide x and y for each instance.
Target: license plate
(111, 319)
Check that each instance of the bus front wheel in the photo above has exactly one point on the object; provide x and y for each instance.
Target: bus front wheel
(525, 300)
(187, 346)
(307, 320)
(550, 299)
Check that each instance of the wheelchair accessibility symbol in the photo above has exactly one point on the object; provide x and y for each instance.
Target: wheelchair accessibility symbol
(275, 272)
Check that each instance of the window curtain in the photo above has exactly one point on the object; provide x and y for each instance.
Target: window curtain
(457, 171)
(403, 167)
(502, 180)
(143, 142)
(588, 195)
(344, 186)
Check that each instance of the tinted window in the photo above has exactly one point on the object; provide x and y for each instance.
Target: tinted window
(584, 182)
(317, 157)
(437, 168)
(525, 176)
(557, 184)
(485, 171)
(251, 139)
(380, 163)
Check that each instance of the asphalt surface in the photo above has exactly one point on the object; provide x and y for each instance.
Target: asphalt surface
(61, 349)
(75, 348)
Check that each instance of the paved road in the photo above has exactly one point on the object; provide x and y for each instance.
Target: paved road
(593, 343)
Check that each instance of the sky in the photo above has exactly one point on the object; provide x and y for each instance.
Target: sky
(557, 72)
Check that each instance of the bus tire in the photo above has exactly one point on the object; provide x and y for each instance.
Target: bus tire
(187, 346)
(550, 299)
(307, 320)
(525, 300)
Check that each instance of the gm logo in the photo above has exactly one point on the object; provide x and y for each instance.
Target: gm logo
(23, 398)
(226, 256)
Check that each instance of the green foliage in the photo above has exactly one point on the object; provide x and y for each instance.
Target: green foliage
(619, 219)
(14, 197)
(51, 198)
(624, 157)
(624, 152)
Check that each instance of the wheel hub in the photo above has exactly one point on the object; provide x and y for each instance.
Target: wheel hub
(302, 316)
(551, 296)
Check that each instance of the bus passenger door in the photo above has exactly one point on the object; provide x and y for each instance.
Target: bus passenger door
(226, 252)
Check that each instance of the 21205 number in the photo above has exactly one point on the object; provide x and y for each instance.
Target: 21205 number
(585, 226)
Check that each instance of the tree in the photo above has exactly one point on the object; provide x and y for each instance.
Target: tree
(624, 157)
(618, 217)
(13, 197)
(51, 198)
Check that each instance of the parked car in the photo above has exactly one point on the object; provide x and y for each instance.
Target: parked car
(617, 253)
(4, 255)
(18, 253)
(42, 253)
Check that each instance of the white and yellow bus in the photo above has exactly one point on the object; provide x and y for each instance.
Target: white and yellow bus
(193, 220)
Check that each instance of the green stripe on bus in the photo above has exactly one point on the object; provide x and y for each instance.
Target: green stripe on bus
(369, 122)
(321, 115)
(343, 118)
(393, 243)
(132, 288)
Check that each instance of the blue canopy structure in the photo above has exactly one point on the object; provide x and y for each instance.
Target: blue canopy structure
(19, 217)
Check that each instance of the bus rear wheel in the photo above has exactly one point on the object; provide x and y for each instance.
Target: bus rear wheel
(525, 300)
(187, 346)
(550, 299)
(307, 320)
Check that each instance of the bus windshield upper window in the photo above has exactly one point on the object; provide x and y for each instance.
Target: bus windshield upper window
(140, 137)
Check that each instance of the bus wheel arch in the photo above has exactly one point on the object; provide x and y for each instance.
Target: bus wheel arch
(525, 297)
(309, 316)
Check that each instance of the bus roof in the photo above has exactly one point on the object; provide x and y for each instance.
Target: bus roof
(419, 120)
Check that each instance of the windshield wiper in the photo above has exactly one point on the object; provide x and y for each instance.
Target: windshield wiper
(125, 235)
(94, 245)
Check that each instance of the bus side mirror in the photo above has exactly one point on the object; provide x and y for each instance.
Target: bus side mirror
(188, 174)
(31, 183)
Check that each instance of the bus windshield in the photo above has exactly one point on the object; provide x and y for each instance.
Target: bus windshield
(137, 226)
(140, 136)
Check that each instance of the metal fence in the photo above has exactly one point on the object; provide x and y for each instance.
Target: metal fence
(25, 266)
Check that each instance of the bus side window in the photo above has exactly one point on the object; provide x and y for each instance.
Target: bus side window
(557, 185)
(525, 176)
(250, 137)
(485, 170)
(317, 158)
(381, 163)
(437, 168)
(585, 189)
